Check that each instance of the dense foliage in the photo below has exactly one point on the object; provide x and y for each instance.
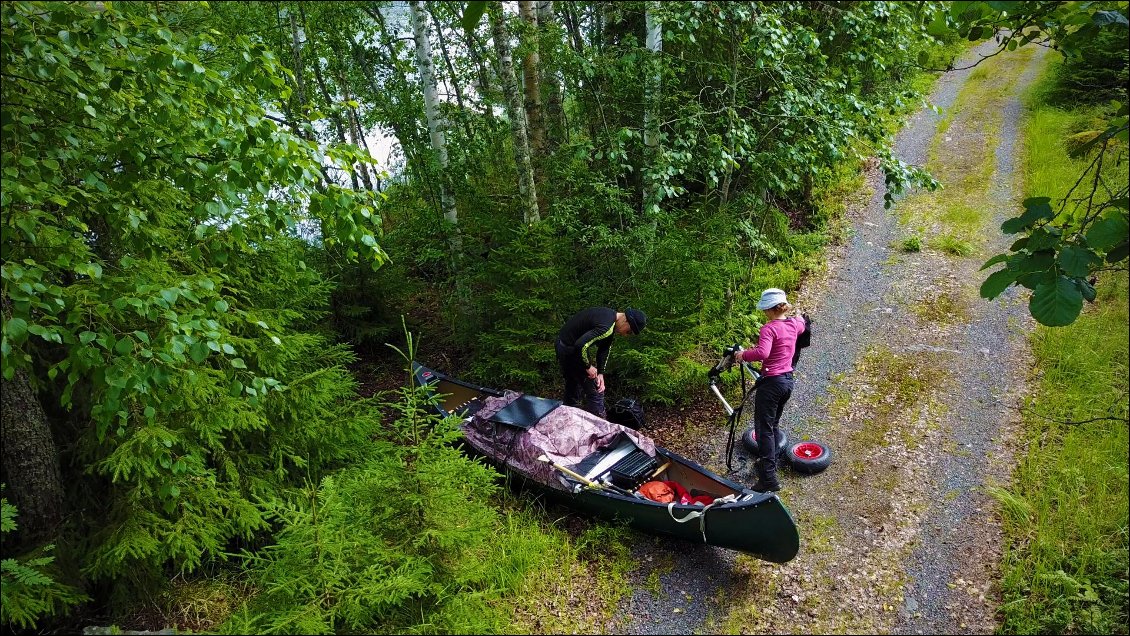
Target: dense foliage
(200, 233)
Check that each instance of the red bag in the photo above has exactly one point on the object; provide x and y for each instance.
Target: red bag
(658, 491)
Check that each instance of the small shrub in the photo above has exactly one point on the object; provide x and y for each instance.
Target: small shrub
(911, 244)
(28, 591)
(953, 245)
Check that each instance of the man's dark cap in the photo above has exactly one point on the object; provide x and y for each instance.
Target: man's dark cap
(636, 319)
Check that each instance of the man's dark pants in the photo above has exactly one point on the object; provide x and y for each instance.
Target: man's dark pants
(768, 403)
(578, 385)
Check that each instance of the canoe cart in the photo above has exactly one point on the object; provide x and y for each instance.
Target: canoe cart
(608, 470)
(805, 456)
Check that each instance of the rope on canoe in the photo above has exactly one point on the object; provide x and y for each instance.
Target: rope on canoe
(699, 514)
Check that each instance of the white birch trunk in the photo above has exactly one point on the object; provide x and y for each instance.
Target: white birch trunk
(531, 64)
(651, 100)
(435, 121)
(517, 114)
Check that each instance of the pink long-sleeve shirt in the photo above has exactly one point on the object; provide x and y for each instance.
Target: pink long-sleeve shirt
(775, 346)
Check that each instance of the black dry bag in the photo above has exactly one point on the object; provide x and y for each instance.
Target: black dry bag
(627, 412)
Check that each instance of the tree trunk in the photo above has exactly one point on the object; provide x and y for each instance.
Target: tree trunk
(299, 77)
(335, 116)
(475, 52)
(554, 113)
(526, 187)
(651, 106)
(732, 114)
(532, 83)
(356, 135)
(451, 74)
(31, 463)
(435, 124)
(573, 23)
(408, 141)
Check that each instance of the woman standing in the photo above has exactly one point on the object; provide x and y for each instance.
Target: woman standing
(776, 344)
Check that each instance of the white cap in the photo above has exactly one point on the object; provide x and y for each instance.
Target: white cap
(771, 298)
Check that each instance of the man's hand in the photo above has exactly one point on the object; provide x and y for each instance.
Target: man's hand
(600, 383)
(592, 372)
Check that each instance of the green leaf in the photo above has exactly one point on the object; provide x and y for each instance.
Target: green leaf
(221, 306)
(472, 13)
(228, 349)
(938, 27)
(142, 336)
(1032, 280)
(1104, 18)
(198, 352)
(1035, 209)
(1043, 239)
(1108, 232)
(997, 282)
(1075, 260)
(123, 346)
(238, 363)
(1056, 305)
(170, 295)
(235, 389)
(1085, 288)
(999, 258)
(16, 328)
(1118, 253)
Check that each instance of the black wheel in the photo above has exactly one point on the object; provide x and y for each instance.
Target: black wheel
(809, 457)
(749, 438)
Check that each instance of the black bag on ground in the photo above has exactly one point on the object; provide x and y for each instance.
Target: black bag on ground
(626, 412)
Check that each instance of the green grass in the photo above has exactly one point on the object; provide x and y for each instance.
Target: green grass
(961, 158)
(1065, 564)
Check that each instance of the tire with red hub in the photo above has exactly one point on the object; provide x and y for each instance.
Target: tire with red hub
(749, 439)
(809, 457)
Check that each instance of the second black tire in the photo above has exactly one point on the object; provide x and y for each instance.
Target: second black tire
(809, 457)
(749, 439)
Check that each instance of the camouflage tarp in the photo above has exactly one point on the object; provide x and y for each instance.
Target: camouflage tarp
(566, 435)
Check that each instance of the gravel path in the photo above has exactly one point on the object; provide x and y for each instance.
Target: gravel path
(908, 380)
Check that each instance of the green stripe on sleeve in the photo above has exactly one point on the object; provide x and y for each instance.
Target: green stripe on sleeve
(585, 349)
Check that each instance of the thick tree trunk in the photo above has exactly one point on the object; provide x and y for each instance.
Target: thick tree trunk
(435, 123)
(526, 186)
(532, 83)
(31, 463)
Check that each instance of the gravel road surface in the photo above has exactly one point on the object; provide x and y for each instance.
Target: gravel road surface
(898, 535)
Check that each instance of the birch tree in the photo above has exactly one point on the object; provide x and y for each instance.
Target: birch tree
(435, 122)
(651, 101)
(531, 62)
(517, 113)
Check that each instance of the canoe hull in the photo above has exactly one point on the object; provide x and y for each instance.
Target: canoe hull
(757, 523)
